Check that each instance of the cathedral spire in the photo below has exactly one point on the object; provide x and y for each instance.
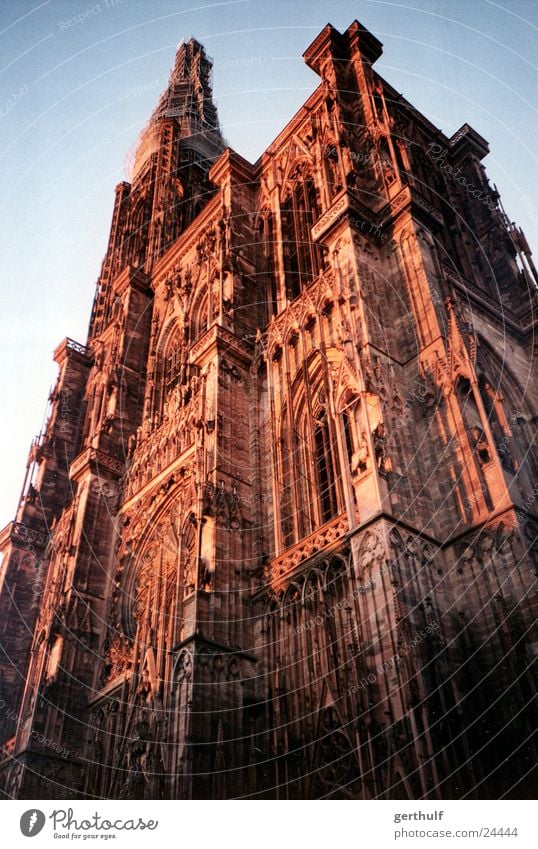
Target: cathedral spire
(188, 99)
(190, 95)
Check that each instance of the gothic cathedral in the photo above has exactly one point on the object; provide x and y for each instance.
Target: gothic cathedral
(279, 536)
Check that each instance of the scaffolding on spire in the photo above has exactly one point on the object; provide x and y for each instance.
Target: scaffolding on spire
(189, 99)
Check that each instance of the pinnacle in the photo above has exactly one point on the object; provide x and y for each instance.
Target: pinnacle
(189, 94)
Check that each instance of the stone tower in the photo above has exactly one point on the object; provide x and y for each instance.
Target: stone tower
(279, 536)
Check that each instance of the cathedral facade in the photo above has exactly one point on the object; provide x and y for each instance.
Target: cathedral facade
(279, 536)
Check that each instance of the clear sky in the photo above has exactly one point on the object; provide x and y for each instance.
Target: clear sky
(75, 92)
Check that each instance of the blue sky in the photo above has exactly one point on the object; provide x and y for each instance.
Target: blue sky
(79, 80)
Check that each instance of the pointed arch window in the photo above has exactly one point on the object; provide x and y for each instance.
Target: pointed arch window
(169, 369)
(302, 260)
(473, 421)
(499, 428)
(399, 147)
(386, 162)
(467, 401)
(337, 626)
(310, 491)
(354, 436)
(200, 319)
(332, 170)
(348, 435)
(267, 234)
(286, 485)
(188, 557)
(172, 369)
(324, 467)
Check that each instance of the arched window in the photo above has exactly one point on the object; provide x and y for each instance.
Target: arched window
(348, 435)
(267, 239)
(494, 412)
(301, 255)
(286, 484)
(169, 369)
(386, 162)
(308, 466)
(399, 145)
(332, 170)
(134, 245)
(200, 320)
(188, 558)
(172, 369)
(307, 472)
(324, 466)
(338, 632)
(473, 421)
